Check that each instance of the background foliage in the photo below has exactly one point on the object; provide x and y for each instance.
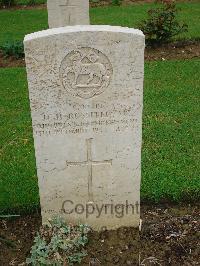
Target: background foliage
(162, 24)
(16, 23)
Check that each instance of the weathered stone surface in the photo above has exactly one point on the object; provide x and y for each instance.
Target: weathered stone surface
(86, 95)
(68, 12)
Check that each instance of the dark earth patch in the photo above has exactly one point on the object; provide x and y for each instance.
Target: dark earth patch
(11, 61)
(169, 236)
(130, 2)
(174, 51)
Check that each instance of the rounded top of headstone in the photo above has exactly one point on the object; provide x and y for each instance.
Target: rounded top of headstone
(82, 28)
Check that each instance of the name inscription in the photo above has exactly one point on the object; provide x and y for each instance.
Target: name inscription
(81, 121)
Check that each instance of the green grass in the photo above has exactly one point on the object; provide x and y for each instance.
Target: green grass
(16, 23)
(171, 144)
(170, 149)
(131, 16)
(17, 162)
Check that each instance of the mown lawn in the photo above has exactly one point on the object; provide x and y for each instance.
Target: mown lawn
(16, 23)
(170, 160)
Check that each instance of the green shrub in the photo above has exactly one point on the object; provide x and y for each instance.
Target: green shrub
(116, 2)
(32, 2)
(59, 244)
(162, 24)
(13, 48)
(7, 3)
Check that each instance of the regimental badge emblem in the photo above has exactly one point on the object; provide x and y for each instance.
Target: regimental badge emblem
(85, 72)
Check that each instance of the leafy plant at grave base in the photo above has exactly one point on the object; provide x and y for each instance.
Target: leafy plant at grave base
(13, 48)
(31, 2)
(162, 24)
(116, 2)
(59, 244)
(7, 3)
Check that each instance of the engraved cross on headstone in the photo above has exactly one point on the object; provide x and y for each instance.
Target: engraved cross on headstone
(90, 163)
(63, 13)
(67, 7)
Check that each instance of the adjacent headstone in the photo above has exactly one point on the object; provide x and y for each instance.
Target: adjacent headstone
(86, 95)
(68, 12)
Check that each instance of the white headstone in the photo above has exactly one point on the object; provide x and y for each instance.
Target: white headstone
(86, 95)
(68, 12)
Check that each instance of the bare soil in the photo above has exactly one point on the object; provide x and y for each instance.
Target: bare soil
(169, 236)
(11, 61)
(129, 2)
(172, 51)
(22, 7)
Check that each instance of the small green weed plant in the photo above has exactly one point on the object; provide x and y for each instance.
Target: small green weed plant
(13, 48)
(116, 2)
(59, 244)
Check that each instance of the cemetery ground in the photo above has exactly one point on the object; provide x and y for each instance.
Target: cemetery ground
(169, 236)
(170, 160)
(170, 172)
